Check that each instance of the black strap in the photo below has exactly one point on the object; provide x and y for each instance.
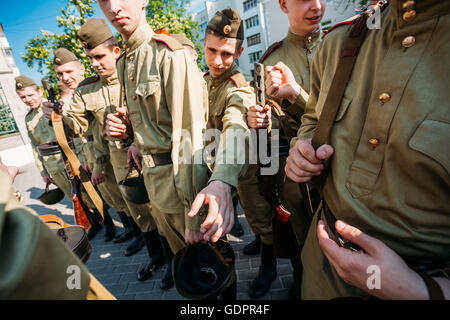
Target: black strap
(433, 287)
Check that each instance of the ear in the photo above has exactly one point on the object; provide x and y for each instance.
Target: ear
(238, 54)
(283, 7)
(144, 4)
(116, 51)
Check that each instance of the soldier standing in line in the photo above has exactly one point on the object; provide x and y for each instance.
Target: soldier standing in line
(294, 52)
(164, 97)
(385, 192)
(70, 72)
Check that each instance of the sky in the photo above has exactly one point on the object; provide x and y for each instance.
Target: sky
(22, 20)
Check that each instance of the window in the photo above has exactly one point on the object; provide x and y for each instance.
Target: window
(254, 56)
(252, 22)
(254, 39)
(7, 123)
(250, 4)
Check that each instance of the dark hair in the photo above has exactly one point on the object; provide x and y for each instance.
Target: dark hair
(111, 43)
(239, 42)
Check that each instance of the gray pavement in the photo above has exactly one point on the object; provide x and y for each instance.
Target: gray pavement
(118, 273)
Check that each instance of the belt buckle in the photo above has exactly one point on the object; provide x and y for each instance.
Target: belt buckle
(148, 160)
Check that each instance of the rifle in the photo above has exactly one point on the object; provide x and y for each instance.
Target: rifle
(285, 243)
(77, 176)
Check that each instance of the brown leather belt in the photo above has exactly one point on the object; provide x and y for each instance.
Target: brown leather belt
(157, 159)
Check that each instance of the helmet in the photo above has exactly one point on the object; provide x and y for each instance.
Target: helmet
(51, 196)
(133, 189)
(204, 269)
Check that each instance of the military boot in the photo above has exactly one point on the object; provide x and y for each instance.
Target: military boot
(295, 292)
(95, 227)
(138, 241)
(110, 229)
(127, 233)
(167, 280)
(253, 247)
(267, 273)
(237, 229)
(155, 253)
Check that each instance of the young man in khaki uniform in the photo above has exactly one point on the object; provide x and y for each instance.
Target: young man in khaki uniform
(164, 96)
(40, 132)
(295, 52)
(70, 72)
(388, 180)
(230, 96)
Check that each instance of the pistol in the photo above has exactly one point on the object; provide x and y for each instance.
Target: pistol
(57, 106)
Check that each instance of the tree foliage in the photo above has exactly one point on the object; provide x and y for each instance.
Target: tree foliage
(160, 13)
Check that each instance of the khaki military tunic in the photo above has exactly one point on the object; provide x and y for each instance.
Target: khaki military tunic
(40, 131)
(92, 101)
(296, 52)
(390, 168)
(164, 97)
(230, 97)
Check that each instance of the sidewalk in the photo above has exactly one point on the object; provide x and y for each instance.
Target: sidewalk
(118, 273)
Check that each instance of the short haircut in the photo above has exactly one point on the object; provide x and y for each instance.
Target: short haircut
(239, 42)
(111, 43)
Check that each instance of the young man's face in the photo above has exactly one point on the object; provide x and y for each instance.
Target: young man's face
(304, 15)
(70, 73)
(220, 53)
(103, 59)
(125, 15)
(31, 96)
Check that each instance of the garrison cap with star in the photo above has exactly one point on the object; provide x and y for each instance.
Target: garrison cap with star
(23, 82)
(181, 38)
(63, 56)
(93, 33)
(227, 23)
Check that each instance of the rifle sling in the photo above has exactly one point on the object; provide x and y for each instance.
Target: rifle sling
(58, 127)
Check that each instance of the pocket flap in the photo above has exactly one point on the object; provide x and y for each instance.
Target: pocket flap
(147, 88)
(428, 139)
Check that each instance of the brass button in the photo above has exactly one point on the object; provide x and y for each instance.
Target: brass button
(210, 101)
(384, 97)
(131, 78)
(309, 51)
(309, 39)
(131, 58)
(408, 5)
(408, 41)
(134, 97)
(212, 87)
(409, 15)
(374, 142)
(125, 46)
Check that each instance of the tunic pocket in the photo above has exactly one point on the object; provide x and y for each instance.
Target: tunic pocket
(429, 139)
(146, 89)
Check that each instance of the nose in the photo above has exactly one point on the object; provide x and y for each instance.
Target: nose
(316, 5)
(114, 6)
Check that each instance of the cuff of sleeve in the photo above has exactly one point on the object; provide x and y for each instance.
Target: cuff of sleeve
(222, 173)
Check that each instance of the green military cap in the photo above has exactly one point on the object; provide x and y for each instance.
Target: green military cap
(227, 23)
(181, 38)
(93, 33)
(23, 82)
(63, 56)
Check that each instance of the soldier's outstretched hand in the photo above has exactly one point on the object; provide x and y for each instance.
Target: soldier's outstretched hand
(304, 162)
(280, 82)
(116, 124)
(47, 109)
(220, 218)
(259, 117)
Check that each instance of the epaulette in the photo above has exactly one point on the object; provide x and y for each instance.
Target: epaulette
(239, 80)
(270, 50)
(89, 80)
(170, 42)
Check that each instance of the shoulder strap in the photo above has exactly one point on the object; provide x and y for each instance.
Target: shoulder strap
(270, 50)
(239, 80)
(89, 80)
(340, 80)
(170, 42)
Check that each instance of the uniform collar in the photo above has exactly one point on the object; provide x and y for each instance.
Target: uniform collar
(110, 80)
(408, 12)
(143, 33)
(304, 41)
(226, 75)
